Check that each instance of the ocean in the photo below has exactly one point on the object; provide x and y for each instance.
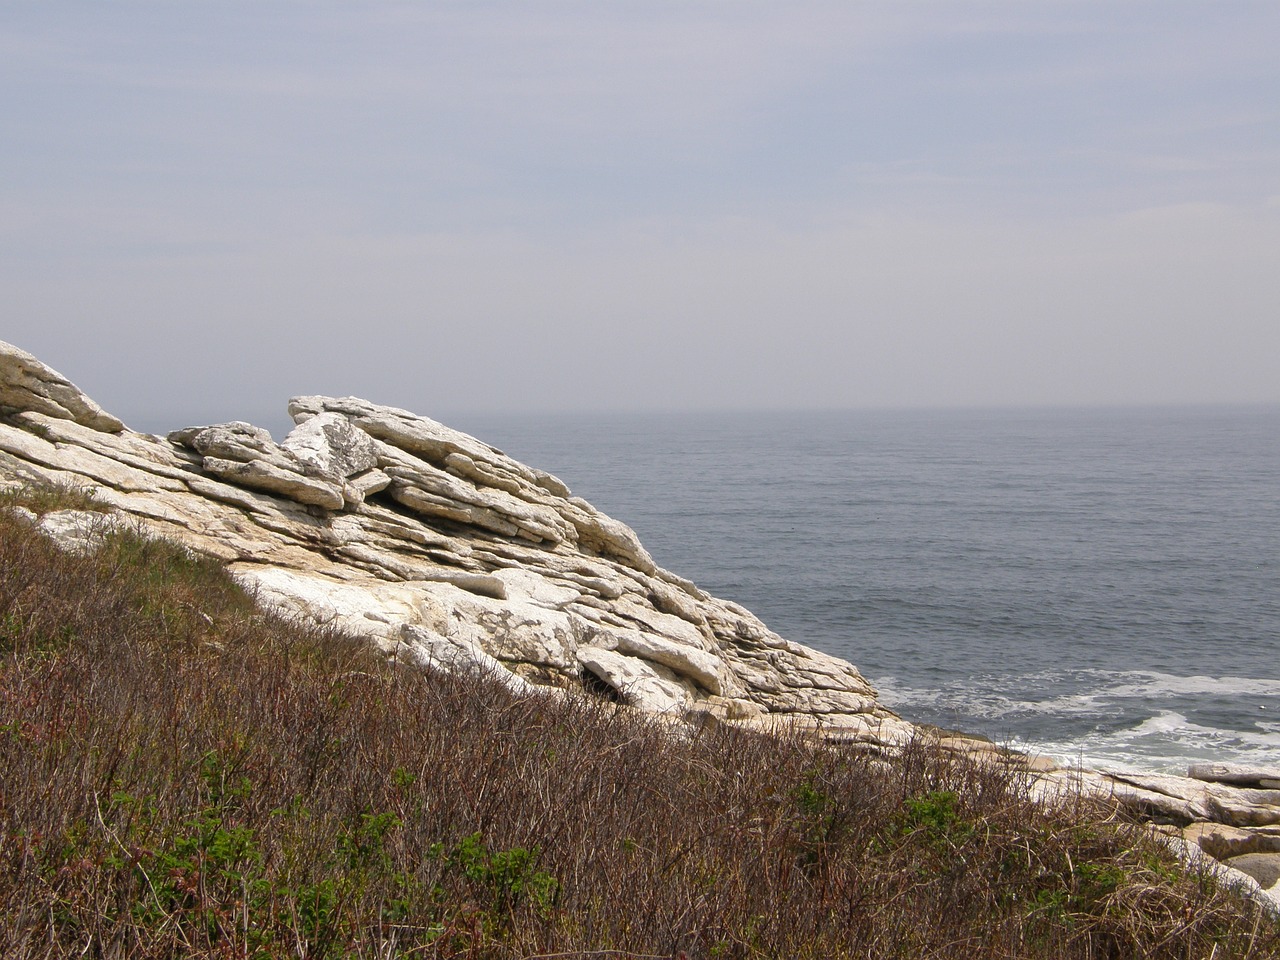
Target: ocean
(1101, 586)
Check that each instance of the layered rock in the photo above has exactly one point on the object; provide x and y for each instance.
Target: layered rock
(434, 545)
(1232, 830)
(443, 551)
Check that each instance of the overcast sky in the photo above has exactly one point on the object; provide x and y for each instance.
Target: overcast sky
(206, 207)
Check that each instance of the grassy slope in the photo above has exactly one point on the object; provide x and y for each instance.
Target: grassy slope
(182, 776)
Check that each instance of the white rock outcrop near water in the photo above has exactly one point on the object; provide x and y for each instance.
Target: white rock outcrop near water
(443, 551)
(432, 544)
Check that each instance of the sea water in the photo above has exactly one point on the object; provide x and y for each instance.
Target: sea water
(1101, 586)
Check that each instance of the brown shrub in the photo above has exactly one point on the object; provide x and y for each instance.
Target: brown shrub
(183, 776)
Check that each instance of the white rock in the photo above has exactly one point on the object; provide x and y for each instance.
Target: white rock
(80, 531)
(514, 631)
(636, 681)
(435, 652)
(27, 384)
(1263, 867)
(535, 588)
(1238, 806)
(229, 441)
(432, 505)
(356, 608)
(1243, 807)
(414, 434)
(663, 624)
(607, 536)
(1239, 775)
(263, 475)
(1222, 841)
(420, 482)
(27, 446)
(695, 663)
(362, 486)
(332, 447)
(486, 555)
(1194, 857)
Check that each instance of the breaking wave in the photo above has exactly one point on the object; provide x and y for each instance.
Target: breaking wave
(1135, 720)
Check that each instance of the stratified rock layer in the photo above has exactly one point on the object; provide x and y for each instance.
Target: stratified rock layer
(431, 543)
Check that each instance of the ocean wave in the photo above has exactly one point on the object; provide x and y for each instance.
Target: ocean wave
(995, 695)
(1129, 720)
(1165, 743)
(1147, 684)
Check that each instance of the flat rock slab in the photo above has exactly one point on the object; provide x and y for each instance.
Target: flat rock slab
(1263, 867)
(1239, 775)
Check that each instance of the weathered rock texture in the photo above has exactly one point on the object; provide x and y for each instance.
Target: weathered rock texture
(442, 550)
(434, 545)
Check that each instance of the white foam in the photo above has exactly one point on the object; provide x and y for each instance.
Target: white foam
(977, 698)
(1153, 684)
(1162, 723)
(1164, 743)
(980, 696)
(1158, 737)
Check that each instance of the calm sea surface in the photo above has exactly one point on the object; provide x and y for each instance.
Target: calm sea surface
(1099, 585)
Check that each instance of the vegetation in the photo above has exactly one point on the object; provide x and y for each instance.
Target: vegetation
(183, 776)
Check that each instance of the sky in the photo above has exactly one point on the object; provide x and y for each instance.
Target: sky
(208, 207)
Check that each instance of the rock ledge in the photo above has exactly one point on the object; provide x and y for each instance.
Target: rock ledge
(433, 545)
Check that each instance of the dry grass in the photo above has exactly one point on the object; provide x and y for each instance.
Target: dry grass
(181, 776)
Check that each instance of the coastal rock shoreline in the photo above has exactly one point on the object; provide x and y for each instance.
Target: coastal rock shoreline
(443, 551)
(430, 543)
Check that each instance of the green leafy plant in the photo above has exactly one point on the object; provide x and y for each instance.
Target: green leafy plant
(507, 877)
(936, 814)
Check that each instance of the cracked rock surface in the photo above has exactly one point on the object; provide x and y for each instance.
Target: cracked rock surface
(430, 543)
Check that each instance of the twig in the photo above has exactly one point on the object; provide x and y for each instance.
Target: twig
(97, 807)
(597, 953)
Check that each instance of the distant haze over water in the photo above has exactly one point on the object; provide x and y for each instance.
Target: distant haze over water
(1100, 585)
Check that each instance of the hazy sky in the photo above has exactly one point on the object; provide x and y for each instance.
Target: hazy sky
(206, 207)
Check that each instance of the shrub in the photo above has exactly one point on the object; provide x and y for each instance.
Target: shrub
(183, 776)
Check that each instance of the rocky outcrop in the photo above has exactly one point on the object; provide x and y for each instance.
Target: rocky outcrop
(437, 547)
(1232, 830)
(27, 384)
(444, 552)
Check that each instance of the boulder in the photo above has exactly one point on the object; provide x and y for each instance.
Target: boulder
(27, 384)
(239, 441)
(332, 447)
